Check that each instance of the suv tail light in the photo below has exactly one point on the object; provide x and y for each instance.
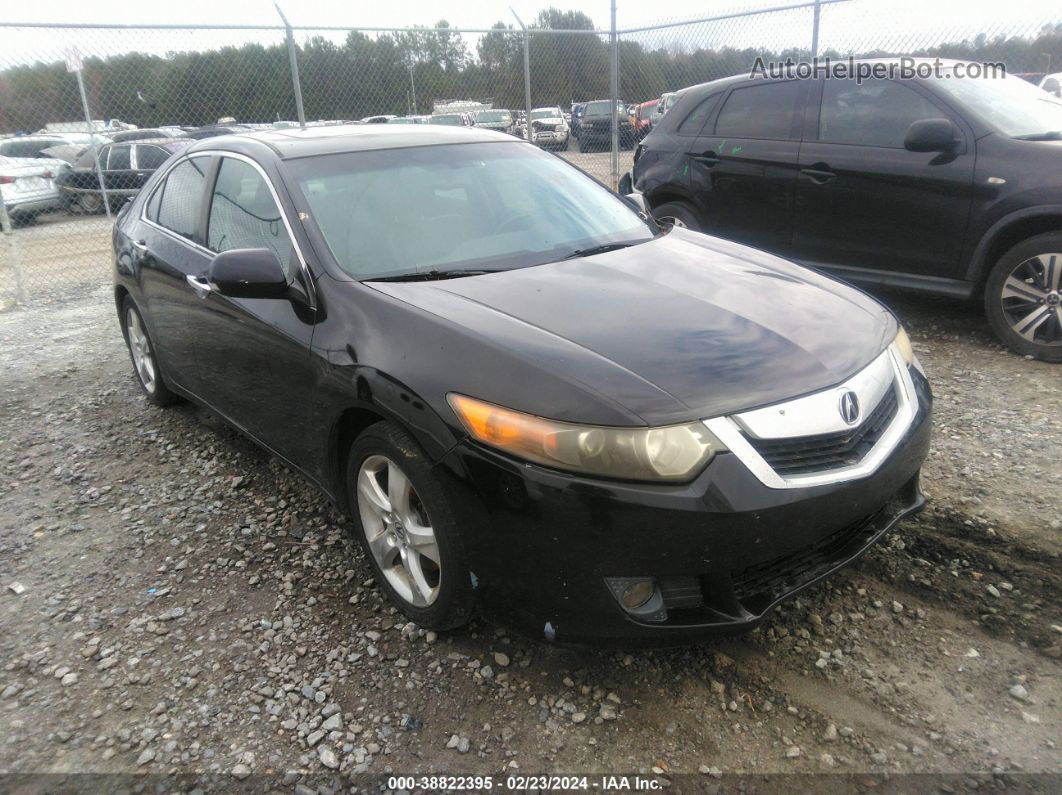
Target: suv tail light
(6, 180)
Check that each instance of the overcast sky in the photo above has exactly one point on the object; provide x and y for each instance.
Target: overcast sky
(858, 24)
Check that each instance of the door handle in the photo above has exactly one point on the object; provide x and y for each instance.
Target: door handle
(202, 287)
(140, 246)
(707, 159)
(819, 173)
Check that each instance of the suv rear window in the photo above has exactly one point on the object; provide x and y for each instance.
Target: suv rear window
(760, 111)
(692, 124)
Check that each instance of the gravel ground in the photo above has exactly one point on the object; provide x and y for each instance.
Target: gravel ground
(187, 606)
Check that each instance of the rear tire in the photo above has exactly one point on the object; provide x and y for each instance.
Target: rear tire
(407, 523)
(1023, 297)
(678, 214)
(90, 203)
(143, 356)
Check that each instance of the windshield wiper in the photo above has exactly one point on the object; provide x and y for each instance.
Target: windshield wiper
(434, 275)
(602, 249)
(1051, 135)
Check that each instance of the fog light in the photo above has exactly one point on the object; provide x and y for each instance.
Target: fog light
(637, 593)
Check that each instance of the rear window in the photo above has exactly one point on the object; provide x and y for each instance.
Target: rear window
(150, 157)
(696, 118)
(602, 108)
(760, 111)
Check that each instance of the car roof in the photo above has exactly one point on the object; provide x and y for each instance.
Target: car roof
(292, 143)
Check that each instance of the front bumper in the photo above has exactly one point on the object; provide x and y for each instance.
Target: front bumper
(726, 547)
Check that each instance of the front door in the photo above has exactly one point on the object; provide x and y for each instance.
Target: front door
(864, 201)
(743, 164)
(253, 354)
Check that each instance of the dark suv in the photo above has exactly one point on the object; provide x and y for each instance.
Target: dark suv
(595, 126)
(947, 184)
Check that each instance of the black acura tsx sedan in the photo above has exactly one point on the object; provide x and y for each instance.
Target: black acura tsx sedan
(530, 399)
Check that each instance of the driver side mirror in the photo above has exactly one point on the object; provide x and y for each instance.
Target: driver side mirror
(248, 273)
(636, 201)
(931, 135)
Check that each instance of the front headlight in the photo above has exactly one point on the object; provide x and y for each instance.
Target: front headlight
(906, 351)
(670, 453)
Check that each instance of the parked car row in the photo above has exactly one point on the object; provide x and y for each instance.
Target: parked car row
(949, 186)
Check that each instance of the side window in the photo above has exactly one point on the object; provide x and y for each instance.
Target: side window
(243, 213)
(148, 158)
(152, 209)
(693, 123)
(761, 111)
(118, 159)
(874, 113)
(181, 197)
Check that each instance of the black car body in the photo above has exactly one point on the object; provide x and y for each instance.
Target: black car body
(595, 125)
(935, 184)
(253, 276)
(125, 167)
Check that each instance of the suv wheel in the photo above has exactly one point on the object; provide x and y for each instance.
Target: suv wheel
(677, 214)
(408, 526)
(1023, 297)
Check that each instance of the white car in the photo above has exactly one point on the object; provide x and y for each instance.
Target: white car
(27, 185)
(549, 129)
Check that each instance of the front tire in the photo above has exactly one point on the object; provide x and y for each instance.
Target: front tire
(678, 214)
(407, 524)
(142, 354)
(1023, 297)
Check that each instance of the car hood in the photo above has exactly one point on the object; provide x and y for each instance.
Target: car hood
(715, 327)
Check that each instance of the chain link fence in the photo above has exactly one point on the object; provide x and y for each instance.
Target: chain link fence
(128, 96)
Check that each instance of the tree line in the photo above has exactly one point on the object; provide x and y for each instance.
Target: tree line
(408, 71)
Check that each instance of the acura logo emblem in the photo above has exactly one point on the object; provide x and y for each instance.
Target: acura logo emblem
(849, 407)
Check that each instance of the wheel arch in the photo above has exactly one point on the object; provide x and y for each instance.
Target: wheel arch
(1007, 233)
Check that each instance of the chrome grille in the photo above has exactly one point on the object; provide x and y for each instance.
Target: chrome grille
(803, 454)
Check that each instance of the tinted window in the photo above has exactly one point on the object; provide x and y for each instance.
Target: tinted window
(763, 111)
(150, 157)
(182, 194)
(118, 160)
(243, 213)
(693, 123)
(876, 113)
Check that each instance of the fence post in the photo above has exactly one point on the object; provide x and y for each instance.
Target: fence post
(815, 30)
(614, 91)
(527, 76)
(294, 61)
(12, 252)
(95, 141)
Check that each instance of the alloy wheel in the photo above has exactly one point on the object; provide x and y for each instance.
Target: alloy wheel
(1031, 298)
(140, 347)
(398, 531)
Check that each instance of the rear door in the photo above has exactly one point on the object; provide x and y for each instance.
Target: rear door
(743, 164)
(254, 353)
(865, 202)
(168, 243)
(119, 174)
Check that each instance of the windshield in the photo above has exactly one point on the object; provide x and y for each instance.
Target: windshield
(490, 116)
(1009, 104)
(451, 118)
(547, 113)
(488, 206)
